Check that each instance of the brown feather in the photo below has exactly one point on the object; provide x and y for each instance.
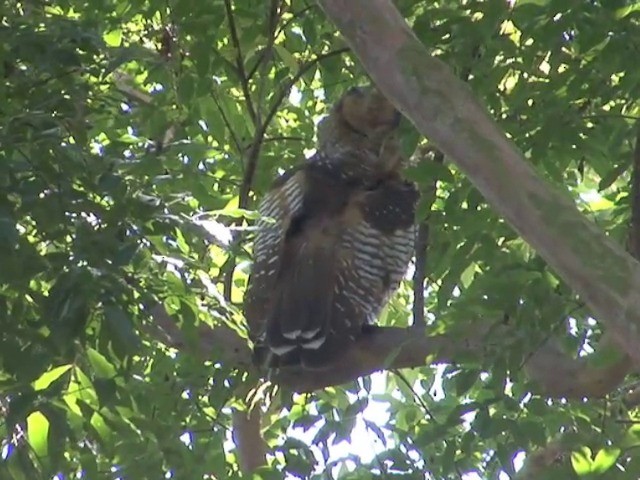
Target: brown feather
(339, 243)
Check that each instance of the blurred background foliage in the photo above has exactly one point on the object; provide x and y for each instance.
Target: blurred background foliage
(135, 139)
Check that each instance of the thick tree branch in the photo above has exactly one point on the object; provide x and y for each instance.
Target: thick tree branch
(251, 447)
(444, 109)
(559, 375)
(387, 348)
(220, 343)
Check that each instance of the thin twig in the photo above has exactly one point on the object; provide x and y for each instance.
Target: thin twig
(422, 244)
(425, 408)
(296, 15)
(227, 124)
(254, 152)
(242, 76)
(275, 14)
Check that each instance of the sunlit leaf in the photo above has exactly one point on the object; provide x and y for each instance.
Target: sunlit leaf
(51, 376)
(38, 433)
(605, 459)
(581, 461)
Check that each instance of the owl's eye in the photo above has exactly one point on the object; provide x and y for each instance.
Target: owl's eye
(355, 91)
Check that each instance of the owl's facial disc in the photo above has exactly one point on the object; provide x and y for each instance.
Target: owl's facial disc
(367, 112)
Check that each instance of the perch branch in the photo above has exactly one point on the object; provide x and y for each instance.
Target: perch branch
(559, 375)
(387, 348)
(219, 344)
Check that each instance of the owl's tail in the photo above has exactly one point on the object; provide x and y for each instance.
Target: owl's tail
(300, 329)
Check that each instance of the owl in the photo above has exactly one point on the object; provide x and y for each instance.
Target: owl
(335, 238)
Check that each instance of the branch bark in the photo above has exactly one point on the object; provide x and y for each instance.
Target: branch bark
(251, 447)
(444, 109)
(558, 375)
(387, 348)
(540, 460)
(634, 230)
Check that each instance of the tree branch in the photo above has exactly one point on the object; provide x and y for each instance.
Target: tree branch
(219, 344)
(251, 447)
(540, 460)
(634, 230)
(444, 109)
(242, 76)
(420, 273)
(422, 244)
(559, 375)
(254, 152)
(387, 348)
(274, 15)
(227, 124)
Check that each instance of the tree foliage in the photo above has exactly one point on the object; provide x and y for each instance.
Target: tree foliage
(136, 138)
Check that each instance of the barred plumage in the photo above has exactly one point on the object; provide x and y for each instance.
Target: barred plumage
(335, 239)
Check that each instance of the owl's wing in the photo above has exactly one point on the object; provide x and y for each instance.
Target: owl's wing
(374, 249)
(278, 208)
(288, 302)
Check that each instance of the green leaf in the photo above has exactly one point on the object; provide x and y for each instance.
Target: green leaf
(50, 376)
(113, 38)
(288, 59)
(625, 11)
(581, 461)
(605, 459)
(119, 324)
(100, 364)
(38, 433)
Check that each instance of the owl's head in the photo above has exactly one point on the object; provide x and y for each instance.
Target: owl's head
(362, 121)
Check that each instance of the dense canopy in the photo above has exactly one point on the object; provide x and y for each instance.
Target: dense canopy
(136, 140)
